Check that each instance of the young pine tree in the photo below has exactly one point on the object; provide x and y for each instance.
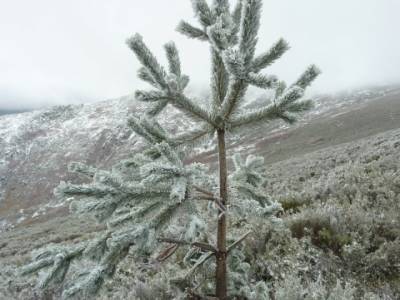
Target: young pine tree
(154, 197)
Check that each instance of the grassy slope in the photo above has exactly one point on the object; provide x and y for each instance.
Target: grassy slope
(361, 122)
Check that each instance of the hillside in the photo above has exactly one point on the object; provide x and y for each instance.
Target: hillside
(36, 147)
(336, 174)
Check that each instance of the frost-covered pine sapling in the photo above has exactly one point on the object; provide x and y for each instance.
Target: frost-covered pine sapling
(141, 198)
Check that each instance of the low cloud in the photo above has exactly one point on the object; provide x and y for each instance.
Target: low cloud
(59, 52)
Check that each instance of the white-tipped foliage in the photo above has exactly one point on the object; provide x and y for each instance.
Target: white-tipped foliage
(148, 60)
(261, 81)
(173, 59)
(191, 31)
(268, 58)
(237, 14)
(203, 12)
(247, 188)
(286, 104)
(308, 77)
(250, 23)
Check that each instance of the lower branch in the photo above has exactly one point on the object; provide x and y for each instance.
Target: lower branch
(167, 253)
(203, 246)
(210, 254)
(244, 236)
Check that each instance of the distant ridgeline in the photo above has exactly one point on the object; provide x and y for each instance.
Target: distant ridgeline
(12, 111)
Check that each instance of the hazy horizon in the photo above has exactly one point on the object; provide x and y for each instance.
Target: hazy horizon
(68, 52)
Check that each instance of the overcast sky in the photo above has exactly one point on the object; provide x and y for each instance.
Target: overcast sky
(73, 51)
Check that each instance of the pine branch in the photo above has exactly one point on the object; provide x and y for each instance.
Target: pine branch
(200, 245)
(237, 13)
(193, 296)
(178, 190)
(165, 215)
(235, 64)
(172, 90)
(249, 25)
(266, 114)
(238, 62)
(184, 81)
(261, 81)
(219, 80)
(171, 155)
(222, 34)
(173, 59)
(144, 211)
(268, 58)
(97, 247)
(134, 215)
(238, 241)
(220, 7)
(37, 265)
(207, 256)
(290, 96)
(92, 281)
(280, 89)
(159, 168)
(288, 117)
(145, 75)
(284, 108)
(67, 189)
(191, 137)
(157, 108)
(219, 204)
(150, 96)
(136, 125)
(154, 129)
(50, 258)
(184, 103)
(148, 60)
(101, 209)
(203, 12)
(167, 253)
(235, 95)
(148, 129)
(191, 31)
(203, 191)
(301, 106)
(57, 273)
(210, 197)
(308, 77)
(199, 263)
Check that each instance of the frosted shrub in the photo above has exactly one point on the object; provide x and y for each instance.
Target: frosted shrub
(292, 289)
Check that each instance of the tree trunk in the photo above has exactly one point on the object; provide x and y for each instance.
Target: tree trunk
(221, 280)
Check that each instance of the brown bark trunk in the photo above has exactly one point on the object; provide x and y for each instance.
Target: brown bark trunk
(221, 276)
